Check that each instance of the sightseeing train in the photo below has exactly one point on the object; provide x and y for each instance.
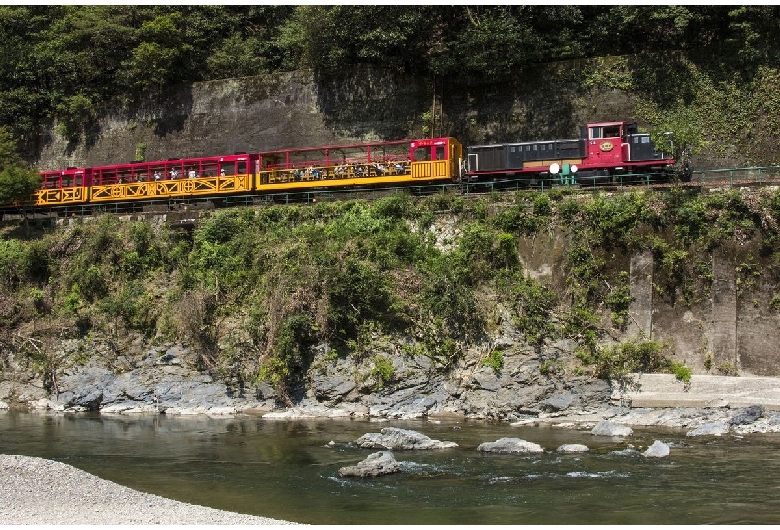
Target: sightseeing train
(603, 152)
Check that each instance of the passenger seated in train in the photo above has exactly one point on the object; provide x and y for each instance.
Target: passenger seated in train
(157, 176)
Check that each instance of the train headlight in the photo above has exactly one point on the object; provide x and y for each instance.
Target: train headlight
(573, 168)
(554, 169)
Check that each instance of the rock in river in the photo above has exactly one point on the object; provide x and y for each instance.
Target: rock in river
(511, 446)
(376, 464)
(607, 428)
(715, 428)
(657, 450)
(394, 438)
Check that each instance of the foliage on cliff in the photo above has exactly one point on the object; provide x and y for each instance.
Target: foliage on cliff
(693, 68)
(257, 291)
(17, 180)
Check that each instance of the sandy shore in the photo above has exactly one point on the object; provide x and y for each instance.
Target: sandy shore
(44, 492)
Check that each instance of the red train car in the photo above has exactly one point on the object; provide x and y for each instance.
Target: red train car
(336, 166)
(164, 179)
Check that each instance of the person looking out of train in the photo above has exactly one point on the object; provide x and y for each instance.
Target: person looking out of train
(192, 174)
(157, 176)
(174, 173)
(222, 172)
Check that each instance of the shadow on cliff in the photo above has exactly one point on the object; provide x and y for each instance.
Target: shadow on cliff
(168, 111)
(176, 109)
(373, 102)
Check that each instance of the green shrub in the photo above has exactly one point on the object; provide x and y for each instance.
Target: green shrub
(614, 362)
(290, 353)
(495, 360)
(383, 371)
(680, 371)
(532, 303)
(551, 367)
(619, 300)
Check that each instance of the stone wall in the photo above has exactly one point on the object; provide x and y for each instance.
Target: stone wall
(733, 331)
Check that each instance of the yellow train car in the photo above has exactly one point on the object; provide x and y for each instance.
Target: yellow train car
(367, 164)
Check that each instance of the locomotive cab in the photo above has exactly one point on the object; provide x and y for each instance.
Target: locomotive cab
(605, 143)
(616, 142)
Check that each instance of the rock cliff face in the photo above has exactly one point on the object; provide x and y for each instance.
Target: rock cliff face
(301, 110)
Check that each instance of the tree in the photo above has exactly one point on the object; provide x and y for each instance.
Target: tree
(17, 182)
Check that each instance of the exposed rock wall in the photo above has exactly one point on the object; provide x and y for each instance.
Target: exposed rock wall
(300, 109)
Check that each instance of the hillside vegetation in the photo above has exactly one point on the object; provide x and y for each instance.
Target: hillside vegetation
(256, 292)
(706, 73)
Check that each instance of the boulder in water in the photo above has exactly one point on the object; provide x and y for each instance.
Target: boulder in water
(573, 448)
(510, 446)
(393, 438)
(716, 428)
(657, 450)
(607, 428)
(376, 464)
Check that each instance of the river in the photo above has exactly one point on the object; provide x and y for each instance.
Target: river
(287, 470)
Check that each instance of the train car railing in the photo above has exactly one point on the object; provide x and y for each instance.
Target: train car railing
(337, 172)
(59, 196)
(431, 169)
(764, 175)
(171, 188)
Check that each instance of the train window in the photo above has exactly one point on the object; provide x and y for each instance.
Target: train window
(208, 169)
(527, 148)
(108, 177)
(242, 168)
(536, 147)
(124, 176)
(78, 180)
(611, 131)
(158, 173)
(422, 154)
(229, 168)
(441, 154)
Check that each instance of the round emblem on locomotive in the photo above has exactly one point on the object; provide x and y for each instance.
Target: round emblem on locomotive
(606, 146)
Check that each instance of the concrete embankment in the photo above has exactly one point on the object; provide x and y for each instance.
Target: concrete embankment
(703, 391)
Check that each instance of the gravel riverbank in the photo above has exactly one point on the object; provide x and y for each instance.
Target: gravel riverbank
(45, 492)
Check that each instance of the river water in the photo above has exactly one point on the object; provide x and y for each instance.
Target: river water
(287, 470)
